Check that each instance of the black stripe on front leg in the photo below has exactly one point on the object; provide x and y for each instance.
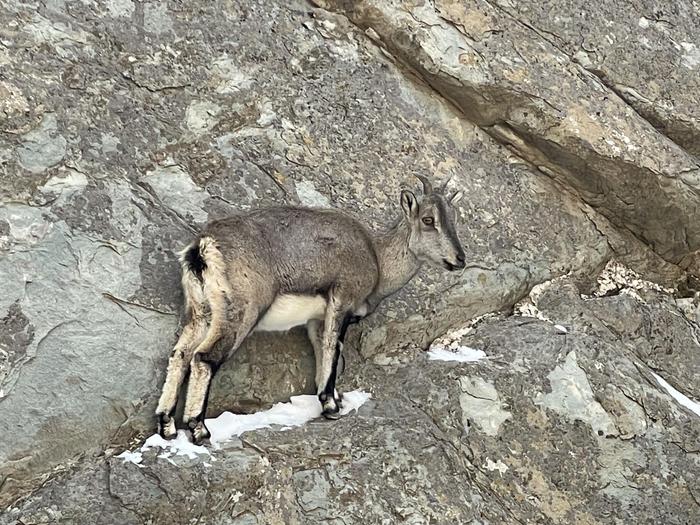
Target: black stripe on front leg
(339, 363)
(347, 321)
(331, 409)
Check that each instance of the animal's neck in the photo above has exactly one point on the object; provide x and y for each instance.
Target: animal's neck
(397, 264)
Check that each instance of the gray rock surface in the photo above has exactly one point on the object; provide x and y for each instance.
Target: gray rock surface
(125, 125)
(647, 52)
(569, 428)
(503, 74)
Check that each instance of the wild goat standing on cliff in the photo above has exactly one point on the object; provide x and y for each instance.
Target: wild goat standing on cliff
(275, 268)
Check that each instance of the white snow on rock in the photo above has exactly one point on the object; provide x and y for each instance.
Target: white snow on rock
(682, 399)
(297, 412)
(527, 307)
(497, 465)
(463, 354)
(616, 276)
(180, 446)
(448, 347)
(131, 457)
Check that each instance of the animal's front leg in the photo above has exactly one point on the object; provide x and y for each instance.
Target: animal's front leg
(314, 329)
(327, 368)
(315, 332)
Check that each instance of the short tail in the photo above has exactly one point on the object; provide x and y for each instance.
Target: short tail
(192, 258)
(204, 284)
(203, 261)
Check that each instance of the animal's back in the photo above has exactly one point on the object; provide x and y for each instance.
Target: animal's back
(307, 250)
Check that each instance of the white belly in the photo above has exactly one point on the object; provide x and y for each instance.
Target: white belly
(290, 310)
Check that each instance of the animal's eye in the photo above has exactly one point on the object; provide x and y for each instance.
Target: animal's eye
(428, 221)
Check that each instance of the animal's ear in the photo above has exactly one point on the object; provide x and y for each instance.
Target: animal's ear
(409, 204)
(456, 197)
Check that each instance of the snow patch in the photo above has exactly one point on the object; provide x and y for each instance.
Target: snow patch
(448, 347)
(131, 457)
(617, 277)
(528, 306)
(180, 446)
(463, 354)
(296, 413)
(682, 399)
(691, 55)
(498, 465)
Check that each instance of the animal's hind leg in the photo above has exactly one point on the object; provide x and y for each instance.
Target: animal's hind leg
(204, 364)
(202, 370)
(192, 335)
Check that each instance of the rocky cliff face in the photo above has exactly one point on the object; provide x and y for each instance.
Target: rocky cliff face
(125, 125)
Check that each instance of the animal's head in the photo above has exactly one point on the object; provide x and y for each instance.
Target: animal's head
(433, 237)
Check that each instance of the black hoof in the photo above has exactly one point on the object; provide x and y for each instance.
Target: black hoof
(199, 431)
(331, 406)
(166, 426)
(331, 415)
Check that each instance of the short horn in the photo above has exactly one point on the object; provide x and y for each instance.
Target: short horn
(427, 186)
(444, 184)
(455, 198)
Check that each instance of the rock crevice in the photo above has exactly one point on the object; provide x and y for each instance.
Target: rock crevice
(504, 76)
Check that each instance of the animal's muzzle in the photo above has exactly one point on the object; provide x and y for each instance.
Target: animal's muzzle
(458, 264)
